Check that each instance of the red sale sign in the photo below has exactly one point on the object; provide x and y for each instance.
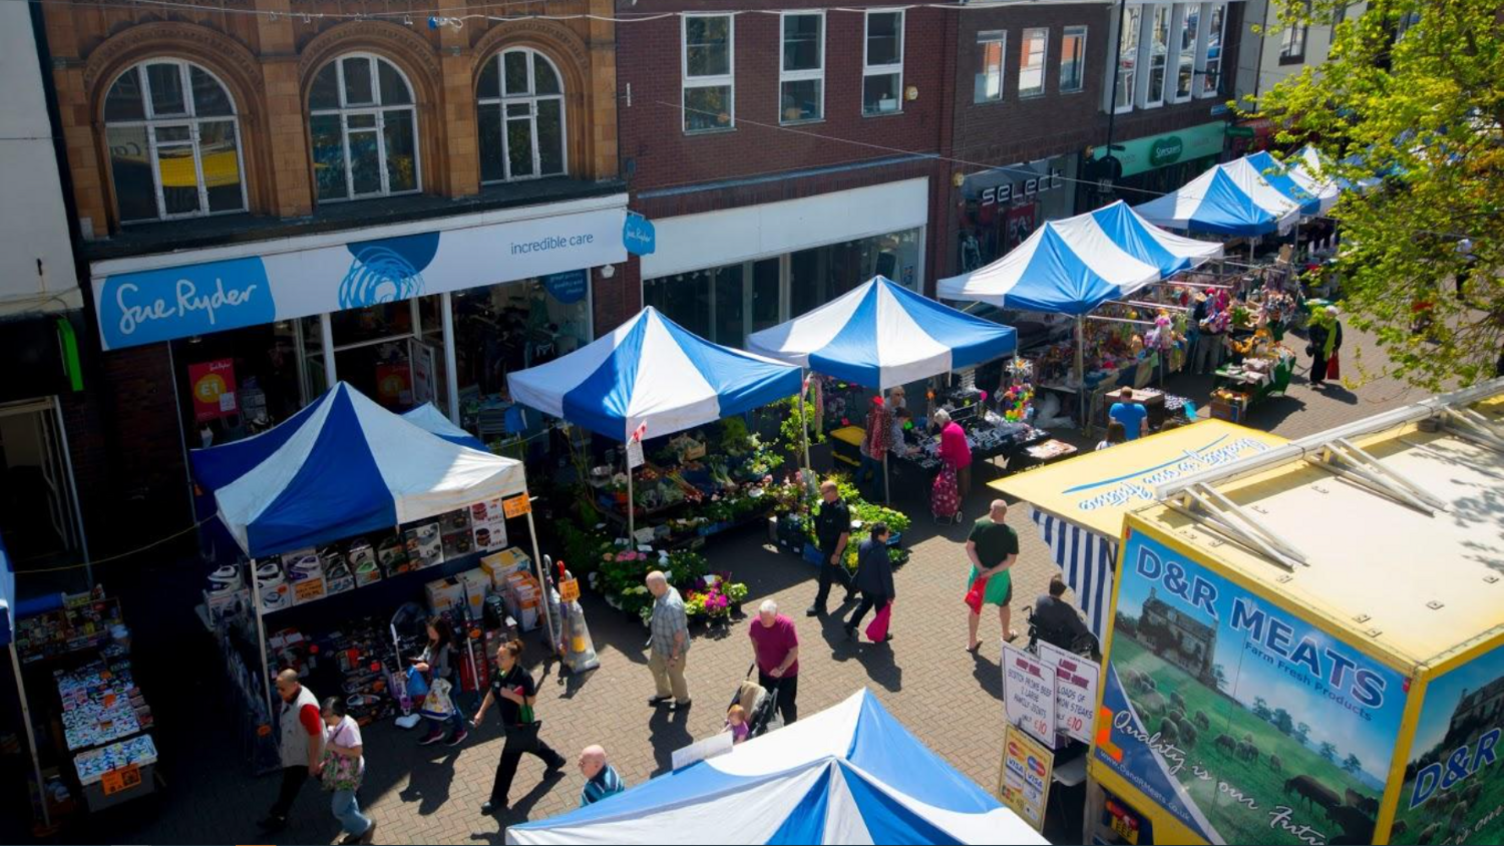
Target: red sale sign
(212, 384)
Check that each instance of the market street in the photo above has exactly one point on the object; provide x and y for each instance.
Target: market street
(950, 700)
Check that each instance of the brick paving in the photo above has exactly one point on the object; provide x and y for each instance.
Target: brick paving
(948, 698)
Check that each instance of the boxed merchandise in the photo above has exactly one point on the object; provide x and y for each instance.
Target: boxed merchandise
(524, 597)
(361, 558)
(305, 575)
(477, 584)
(424, 546)
(275, 593)
(504, 564)
(444, 594)
(455, 529)
(391, 554)
(488, 525)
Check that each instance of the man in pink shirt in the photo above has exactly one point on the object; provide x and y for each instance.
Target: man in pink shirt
(775, 644)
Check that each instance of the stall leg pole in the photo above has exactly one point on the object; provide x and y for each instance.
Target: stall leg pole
(631, 512)
(266, 669)
(532, 528)
(804, 428)
(887, 498)
(31, 738)
(1081, 372)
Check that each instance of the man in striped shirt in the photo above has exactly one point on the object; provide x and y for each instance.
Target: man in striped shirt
(601, 779)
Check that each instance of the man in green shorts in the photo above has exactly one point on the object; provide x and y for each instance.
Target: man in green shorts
(992, 547)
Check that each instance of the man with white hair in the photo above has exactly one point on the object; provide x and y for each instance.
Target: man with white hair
(775, 647)
(601, 779)
(668, 644)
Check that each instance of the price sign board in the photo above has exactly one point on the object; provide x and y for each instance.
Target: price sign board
(120, 779)
(1024, 781)
(569, 590)
(1075, 690)
(516, 506)
(1029, 694)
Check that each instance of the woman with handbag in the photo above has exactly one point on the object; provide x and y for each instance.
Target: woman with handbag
(437, 663)
(874, 578)
(341, 769)
(514, 693)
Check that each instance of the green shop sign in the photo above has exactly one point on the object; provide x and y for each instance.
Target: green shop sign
(1156, 151)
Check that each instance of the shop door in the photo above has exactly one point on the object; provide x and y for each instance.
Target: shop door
(37, 514)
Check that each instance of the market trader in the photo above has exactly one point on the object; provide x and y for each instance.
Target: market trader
(301, 744)
(833, 530)
(1056, 620)
(1129, 413)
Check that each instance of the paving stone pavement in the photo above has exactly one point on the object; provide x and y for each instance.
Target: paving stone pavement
(948, 698)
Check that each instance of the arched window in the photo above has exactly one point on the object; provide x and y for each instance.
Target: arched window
(174, 143)
(364, 129)
(521, 103)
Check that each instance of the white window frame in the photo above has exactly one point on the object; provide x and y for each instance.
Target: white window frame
(1287, 41)
(726, 80)
(1079, 31)
(1145, 98)
(1204, 63)
(884, 70)
(377, 110)
(503, 99)
(188, 119)
(1177, 55)
(785, 75)
(1044, 63)
(1126, 89)
(1000, 38)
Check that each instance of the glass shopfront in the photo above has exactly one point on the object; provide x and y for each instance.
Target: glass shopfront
(1005, 205)
(726, 304)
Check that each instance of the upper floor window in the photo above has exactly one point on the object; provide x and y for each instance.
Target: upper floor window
(709, 72)
(364, 130)
(520, 103)
(1073, 59)
(882, 63)
(991, 45)
(1033, 48)
(1292, 42)
(1187, 19)
(801, 72)
(174, 143)
(1157, 48)
(1216, 19)
(1127, 70)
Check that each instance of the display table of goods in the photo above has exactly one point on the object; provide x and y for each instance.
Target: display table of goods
(104, 718)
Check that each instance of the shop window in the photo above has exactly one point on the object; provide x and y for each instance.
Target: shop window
(801, 75)
(988, 87)
(819, 275)
(882, 63)
(1073, 59)
(1188, 18)
(1211, 66)
(709, 72)
(174, 141)
(1292, 42)
(363, 126)
(1127, 70)
(1156, 49)
(520, 104)
(500, 329)
(1033, 50)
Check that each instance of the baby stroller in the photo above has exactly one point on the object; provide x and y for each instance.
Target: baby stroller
(760, 704)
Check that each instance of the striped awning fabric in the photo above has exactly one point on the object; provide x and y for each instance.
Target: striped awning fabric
(1085, 558)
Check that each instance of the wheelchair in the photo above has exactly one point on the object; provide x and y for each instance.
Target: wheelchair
(1084, 644)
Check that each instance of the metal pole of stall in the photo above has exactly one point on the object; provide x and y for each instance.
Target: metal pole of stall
(887, 498)
(1081, 370)
(266, 670)
(31, 737)
(804, 422)
(532, 528)
(631, 512)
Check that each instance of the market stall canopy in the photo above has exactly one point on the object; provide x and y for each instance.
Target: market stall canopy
(652, 371)
(7, 597)
(430, 419)
(850, 774)
(1073, 265)
(341, 467)
(1079, 504)
(1308, 168)
(1282, 180)
(1230, 199)
(882, 334)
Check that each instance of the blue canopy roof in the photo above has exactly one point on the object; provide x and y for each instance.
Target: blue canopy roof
(651, 371)
(882, 334)
(7, 597)
(341, 467)
(427, 417)
(1278, 175)
(1235, 198)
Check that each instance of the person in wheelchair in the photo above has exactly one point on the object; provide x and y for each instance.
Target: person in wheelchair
(1056, 621)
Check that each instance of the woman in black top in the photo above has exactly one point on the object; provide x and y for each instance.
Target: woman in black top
(514, 693)
(437, 662)
(874, 577)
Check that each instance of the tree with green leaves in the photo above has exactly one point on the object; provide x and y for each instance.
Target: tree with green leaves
(1328, 750)
(1411, 102)
(1351, 764)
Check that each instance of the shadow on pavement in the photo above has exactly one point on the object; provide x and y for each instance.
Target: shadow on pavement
(667, 731)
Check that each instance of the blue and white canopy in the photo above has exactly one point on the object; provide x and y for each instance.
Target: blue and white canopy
(652, 371)
(341, 467)
(1073, 265)
(7, 597)
(1230, 199)
(430, 419)
(1283, 180)
(850, 774)
(1306, 168)
(882, 334)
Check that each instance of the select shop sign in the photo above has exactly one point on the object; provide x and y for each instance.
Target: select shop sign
(1145, 154)
(141, 304)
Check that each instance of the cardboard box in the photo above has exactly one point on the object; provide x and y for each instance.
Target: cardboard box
(275, 598)
(504, 563)
(444, 594)
(477, 584)
(391, 554)
(425, 546)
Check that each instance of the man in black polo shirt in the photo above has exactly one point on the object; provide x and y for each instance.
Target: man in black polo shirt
(833, 529)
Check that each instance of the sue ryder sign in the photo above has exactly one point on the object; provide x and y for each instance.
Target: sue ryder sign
(142, 304)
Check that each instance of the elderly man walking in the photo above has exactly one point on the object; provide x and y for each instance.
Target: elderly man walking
(775, 647)
(601, 779)
(668, 644)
